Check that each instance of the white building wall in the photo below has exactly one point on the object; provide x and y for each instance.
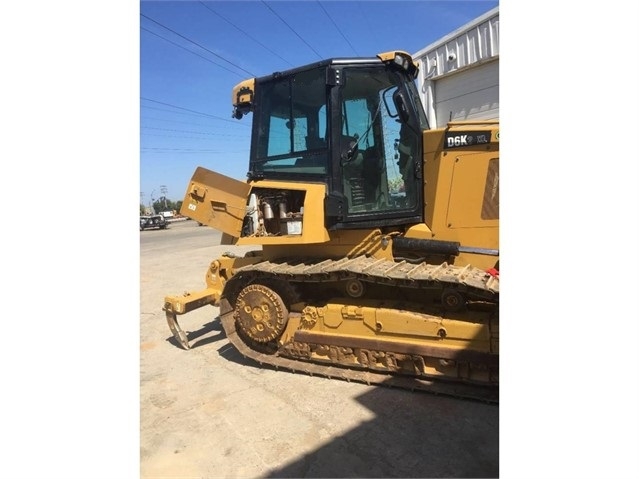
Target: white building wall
(459, 74)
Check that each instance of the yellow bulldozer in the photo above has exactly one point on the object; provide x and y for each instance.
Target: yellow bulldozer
(377, 238)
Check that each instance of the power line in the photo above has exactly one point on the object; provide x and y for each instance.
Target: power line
(173, 111)
(187, 131)
(338, 29)
(189, 150)
(245, 33)
(195, 43)
(193, 114)
(192, 111)
(191, 51)
(199, 138)
(291, 28)
(170, 120)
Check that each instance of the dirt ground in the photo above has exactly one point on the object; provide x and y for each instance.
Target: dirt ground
(209, 413)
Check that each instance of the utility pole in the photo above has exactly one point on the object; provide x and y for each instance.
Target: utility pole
(151, 203)
(164, 191)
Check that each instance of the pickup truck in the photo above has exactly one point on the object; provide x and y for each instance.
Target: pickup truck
(153, 221)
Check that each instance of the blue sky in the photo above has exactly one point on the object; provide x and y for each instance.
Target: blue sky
(193, 53)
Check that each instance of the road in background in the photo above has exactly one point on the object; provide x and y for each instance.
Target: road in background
(208, 412)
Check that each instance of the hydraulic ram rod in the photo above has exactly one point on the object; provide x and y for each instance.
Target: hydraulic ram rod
(448, 248)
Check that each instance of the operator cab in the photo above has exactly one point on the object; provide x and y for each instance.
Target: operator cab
(353, 124)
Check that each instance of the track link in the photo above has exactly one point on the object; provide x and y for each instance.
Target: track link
(471, 281)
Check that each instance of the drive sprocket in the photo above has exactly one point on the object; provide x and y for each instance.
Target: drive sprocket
(260, 313)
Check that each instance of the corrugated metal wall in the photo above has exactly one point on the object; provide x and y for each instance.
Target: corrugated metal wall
(459, 74)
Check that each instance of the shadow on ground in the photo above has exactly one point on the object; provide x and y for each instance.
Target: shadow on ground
(453, 438)
(193, 336)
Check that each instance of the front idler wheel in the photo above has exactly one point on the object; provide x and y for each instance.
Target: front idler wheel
(260, 313)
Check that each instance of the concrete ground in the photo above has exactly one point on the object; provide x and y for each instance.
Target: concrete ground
(209, 413)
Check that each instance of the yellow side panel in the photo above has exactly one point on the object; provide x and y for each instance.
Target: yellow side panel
(474, 193)
(216, 201)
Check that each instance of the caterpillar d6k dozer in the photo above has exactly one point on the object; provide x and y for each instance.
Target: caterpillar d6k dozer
(376, 237)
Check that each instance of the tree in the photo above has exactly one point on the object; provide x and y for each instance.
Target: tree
(164, 204)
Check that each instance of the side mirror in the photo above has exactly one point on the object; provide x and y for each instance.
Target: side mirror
(400, 105)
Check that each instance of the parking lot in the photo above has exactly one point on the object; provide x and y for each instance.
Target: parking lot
(208, 412)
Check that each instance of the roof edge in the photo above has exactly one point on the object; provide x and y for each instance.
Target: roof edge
(464, 28)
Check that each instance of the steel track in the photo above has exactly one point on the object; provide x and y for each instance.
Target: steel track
(474, 283)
